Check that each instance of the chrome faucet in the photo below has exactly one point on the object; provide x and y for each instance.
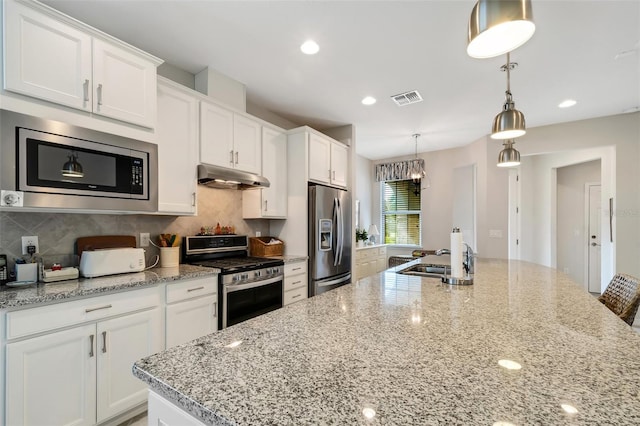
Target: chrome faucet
(467, 263)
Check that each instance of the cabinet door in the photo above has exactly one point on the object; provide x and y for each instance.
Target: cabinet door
(191, 319)
(120, 342)
(45, 58)
(247, 142)
(319, 159)
(339, 164)
(124, 85)
(216, 135)
(177, 138)
(51, 379)
(274, 168)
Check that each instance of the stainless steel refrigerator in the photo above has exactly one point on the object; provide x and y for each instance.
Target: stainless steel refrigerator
(329, 239)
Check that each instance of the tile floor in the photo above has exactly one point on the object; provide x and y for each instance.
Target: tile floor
(139, 420)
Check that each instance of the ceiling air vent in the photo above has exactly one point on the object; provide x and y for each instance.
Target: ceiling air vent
(407, 98)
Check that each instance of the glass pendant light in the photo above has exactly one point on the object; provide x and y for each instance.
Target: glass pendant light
(509, 123)
(417, 172)
(499, 26)
(72, 168)
(509, 156)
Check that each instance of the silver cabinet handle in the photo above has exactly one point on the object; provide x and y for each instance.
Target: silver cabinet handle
(195, 289)
(296, 269)
(334, 175)
(231, 154)
(97, 309)
(85, 87)
(296, 282)
(329, 173)
(91, 344)
(265, 205)
(215, 309)
(297, 295)
(99, 94)
(104, 342)
(193, 199)
(236, 157)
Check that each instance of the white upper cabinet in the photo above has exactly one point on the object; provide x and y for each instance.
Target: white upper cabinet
(216, 135)
(328, 161)
(177, 138)
(270, 202)
(47, 57)
(229, 139)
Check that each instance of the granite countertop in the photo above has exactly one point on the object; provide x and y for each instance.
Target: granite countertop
(64, 290)
(415, 351)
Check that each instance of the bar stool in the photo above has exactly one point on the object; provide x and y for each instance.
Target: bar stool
(622, 297)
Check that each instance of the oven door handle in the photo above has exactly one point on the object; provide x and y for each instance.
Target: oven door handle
(231, 287)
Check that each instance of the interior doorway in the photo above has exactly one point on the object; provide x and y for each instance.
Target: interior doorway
(593, 257)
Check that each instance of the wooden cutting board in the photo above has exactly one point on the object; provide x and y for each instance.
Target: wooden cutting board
(104, 242)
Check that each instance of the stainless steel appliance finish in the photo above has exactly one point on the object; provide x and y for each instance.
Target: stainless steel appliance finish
(247, 286)
(221, 177)
(329, 239)
(119, 174)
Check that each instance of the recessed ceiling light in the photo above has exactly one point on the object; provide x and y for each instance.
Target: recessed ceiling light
(567, 103)
(369, 100)
(310, 47)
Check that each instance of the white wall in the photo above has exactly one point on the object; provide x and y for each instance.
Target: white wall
(615, 140)
(363, 192)
(572, 227)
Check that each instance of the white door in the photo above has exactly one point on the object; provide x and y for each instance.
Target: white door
(45, 58)
(339, 164)
(124, 85)
(51, 379)
(177, 138)
(595, 259)
(274, 168)
(120, 342)
(191, 319)
(247, 142)
(216, 135)
(319, 159)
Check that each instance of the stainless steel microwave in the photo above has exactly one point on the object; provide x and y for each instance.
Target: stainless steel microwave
(59, 166)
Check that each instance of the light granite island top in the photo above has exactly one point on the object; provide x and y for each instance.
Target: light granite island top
(404, 350)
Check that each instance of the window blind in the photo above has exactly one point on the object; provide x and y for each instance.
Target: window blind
(400, 213)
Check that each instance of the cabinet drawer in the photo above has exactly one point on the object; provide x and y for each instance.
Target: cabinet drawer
(382, 251)
(189, 289)
(294, 295)
(51, 317)
(294, 282)
(295, 268)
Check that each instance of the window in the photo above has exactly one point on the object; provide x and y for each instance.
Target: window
(400, 212)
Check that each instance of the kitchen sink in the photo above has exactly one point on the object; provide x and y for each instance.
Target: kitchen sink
(427, 270)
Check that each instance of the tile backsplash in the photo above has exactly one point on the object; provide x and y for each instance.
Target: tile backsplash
(57, 232)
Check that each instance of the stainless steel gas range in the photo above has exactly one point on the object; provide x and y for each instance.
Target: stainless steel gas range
(247, 286)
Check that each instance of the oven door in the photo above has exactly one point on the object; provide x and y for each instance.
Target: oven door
(244, 301)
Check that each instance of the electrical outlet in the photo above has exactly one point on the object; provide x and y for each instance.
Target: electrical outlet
(144, 239)
(258, 234)
(30, 241)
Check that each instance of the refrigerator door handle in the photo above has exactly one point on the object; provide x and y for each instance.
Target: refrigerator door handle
(336, 248)
(341, 234)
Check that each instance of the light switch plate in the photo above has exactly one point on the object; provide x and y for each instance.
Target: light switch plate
(144, 239)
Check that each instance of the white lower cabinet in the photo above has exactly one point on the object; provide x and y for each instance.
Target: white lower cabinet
(295, 282)
(163, 412)
(370, 260)
(192, 310)
(80, 375)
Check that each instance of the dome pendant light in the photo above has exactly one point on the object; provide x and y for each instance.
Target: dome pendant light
(499, 26)
(72, 168)
(509, 156)
(509, 123)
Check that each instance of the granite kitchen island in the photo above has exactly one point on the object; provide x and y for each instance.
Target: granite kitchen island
(405, 350)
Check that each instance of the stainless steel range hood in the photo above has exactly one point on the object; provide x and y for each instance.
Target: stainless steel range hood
(220, 177)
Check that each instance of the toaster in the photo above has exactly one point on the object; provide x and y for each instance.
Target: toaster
(98, 263)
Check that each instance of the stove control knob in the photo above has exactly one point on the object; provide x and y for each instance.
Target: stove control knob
(245, 276)
(235, 278)
(257, 274)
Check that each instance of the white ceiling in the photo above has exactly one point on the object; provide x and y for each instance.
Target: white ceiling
(382, 48)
